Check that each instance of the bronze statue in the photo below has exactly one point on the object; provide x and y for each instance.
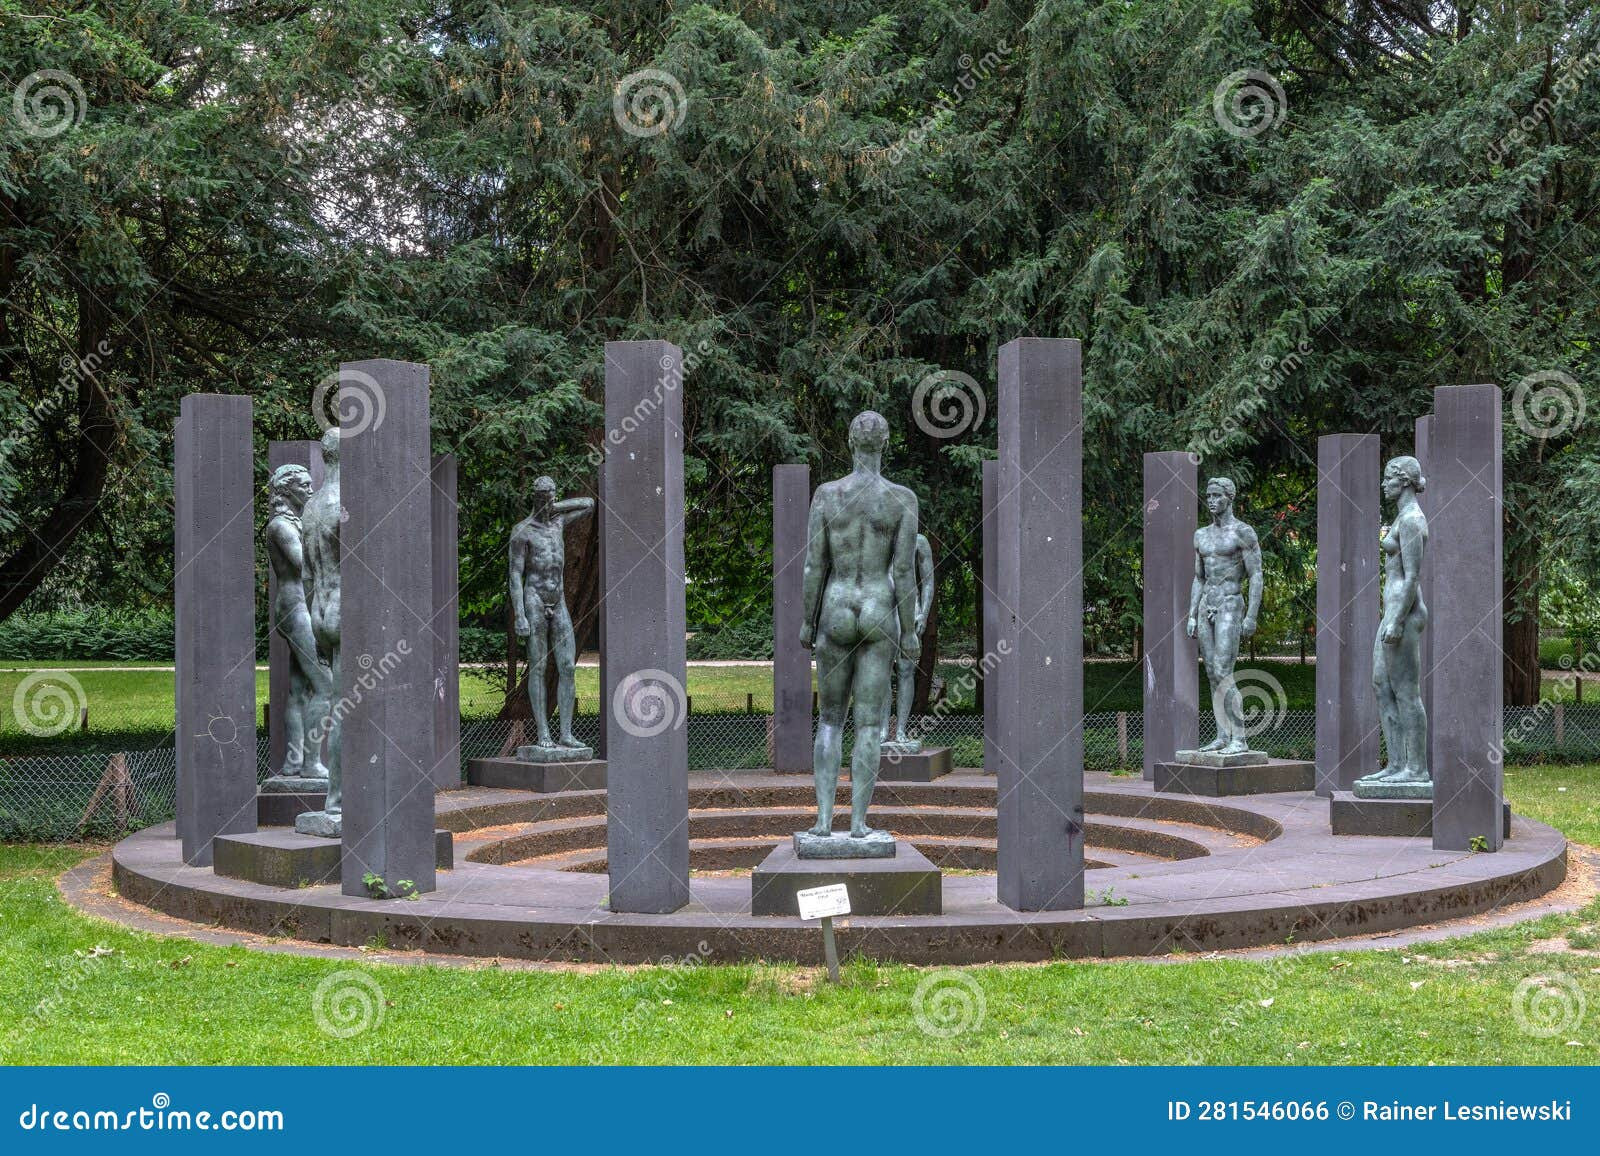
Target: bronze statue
(319, 534)
(1224, 601)
(310, 683)
(905, 669)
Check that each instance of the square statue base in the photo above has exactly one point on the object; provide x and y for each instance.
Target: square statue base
(286, 859)
(1399, 818)
(540, 754)
(839, 845)
(1392, 790)
(904, 765)
(1269, 778)
(545, 778)
(282, 808)
(321, 824)
(907, 884)
(1218, 759)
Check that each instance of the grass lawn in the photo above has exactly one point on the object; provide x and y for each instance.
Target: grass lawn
(79, 990)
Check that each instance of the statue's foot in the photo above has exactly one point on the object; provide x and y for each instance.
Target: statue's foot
(1381, 775)
(319, 771)
(569, 742)
(821, 830)
(1409, 775)
(862, 831)
(1236, 747)
(1215, 744)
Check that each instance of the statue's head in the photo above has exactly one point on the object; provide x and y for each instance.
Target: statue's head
(869, 431)
(330, 446)
(1402, 473)
(1220, 493)
(289, 487)
(544, 491)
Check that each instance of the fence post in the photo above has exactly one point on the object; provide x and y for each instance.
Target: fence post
(1561, 724)
(1122, 738)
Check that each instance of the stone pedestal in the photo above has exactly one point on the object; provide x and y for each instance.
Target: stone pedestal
(214, 638)
(283, 799)
(1348, 597)
(914, 766)
(907, 884)
(791, 662)
(1466, 736)
(279, 858)
(1171, 669)
(1039, 732)
(279, 660)
(543, 777)
(1268, 778)
(1199, 758)
(1405, 818)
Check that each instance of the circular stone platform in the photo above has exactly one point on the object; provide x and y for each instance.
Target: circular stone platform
(1167, 874)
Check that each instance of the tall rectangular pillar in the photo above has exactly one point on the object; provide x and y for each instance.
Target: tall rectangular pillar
(1040, 735)
(279, 662)
(214, 614)
(647, 752)
(386, 633)
(990, 580)
(446, 633)
(1467, 733)
(1171, 669)
(1348, 596)
(1424, 435)
(791, 662)
(600, 605)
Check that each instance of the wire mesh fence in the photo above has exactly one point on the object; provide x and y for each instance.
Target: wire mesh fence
(99, 792)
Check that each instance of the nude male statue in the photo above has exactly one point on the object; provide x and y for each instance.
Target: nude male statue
(905, 669)
(310, 683)
(860, 612)
(539, 599)
(319, 534)
(1227, 556)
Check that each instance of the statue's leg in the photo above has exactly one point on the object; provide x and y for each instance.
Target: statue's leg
(1411, 717)
(1228, 623)
(566, 656)
(906, 674)
(874, 666)
(310, 692)
(1383, 687)
(1206, 636)
(834, 671)
(334, 805)
(538, 652)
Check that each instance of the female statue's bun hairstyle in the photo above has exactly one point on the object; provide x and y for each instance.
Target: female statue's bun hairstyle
(1412, 469)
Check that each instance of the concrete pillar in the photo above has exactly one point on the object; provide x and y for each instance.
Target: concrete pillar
(1040, 734)
(1424, 431)
(992, 627)
(1348, 596)
(600, 606)
(1467, 731)
(647, 751)
(1171, 668)
(446, 635)
(386, 640)
(791, 662)
(309, 455)
(214, 611)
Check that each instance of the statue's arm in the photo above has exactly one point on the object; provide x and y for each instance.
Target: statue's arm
(1195, 588)
(816, 572)
(925, 582)
(904, 570)
(285, 541)
(519, 556)
(1252, 567)
(573, 509)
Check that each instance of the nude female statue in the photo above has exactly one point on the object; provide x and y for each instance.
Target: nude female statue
(310, 683)
(860, 605)
(1224, 602)
(319, 530)
(1397, 652)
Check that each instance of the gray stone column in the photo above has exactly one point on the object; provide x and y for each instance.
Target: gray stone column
(386, 633)
(1040, 578)
(1171, 668)
(791, 662)
(214, 612)
(1425, 499)
(600, 606)
(647, 752)
(1349, 512)
(446, 634)
(1467, 732)
(990, 579)
(309, 455)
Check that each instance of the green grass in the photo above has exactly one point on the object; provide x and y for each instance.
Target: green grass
(82, 991)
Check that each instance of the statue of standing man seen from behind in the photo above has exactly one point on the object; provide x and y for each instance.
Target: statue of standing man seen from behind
(310, 683)
(539, 600)
(1224, 602)
(860, 608)
(319, 535)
